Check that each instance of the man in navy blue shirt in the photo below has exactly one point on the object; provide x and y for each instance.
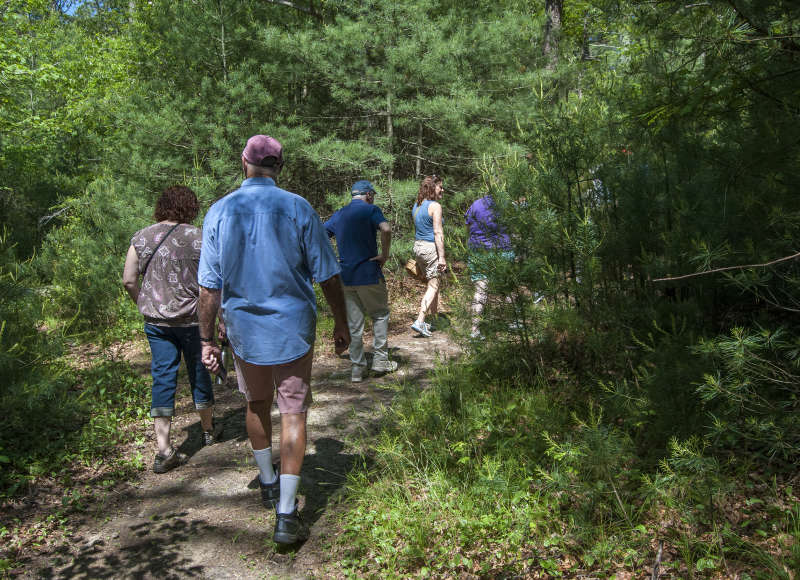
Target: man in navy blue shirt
(354, 227)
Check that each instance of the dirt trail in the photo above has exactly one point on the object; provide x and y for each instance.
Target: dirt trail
(205, 519)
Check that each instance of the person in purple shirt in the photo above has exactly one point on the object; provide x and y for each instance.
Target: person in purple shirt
(486, 240)
(262, 249)
(355, 226)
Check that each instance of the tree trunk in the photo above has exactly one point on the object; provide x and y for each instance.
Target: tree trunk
(552, 28)
(418, 168)
(223, 50)
(390, 132)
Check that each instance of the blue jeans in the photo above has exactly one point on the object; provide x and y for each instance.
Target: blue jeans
(166, 345)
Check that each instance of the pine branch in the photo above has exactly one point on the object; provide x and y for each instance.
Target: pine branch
(296, 7)
(727, 269)
(786, 42)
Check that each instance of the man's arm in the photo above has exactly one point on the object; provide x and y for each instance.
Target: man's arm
(332, 289)
(330, 226)
(386, 243)
(130, 274)
(207, 308)
(438, 234)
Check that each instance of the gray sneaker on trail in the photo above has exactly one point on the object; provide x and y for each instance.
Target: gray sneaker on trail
(357, 373)
(211, 437)
(163, 463)
(384, 366)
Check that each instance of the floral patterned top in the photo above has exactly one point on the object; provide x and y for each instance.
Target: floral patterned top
(169, 289)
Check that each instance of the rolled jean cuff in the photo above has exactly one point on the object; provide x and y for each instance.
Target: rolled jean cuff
(204, 405)
(162, 411)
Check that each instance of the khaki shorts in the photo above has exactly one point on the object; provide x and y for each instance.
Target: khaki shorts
(291, 380)
(427, 258)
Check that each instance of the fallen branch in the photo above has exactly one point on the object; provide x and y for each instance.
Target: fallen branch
(44, 220)
(727, 269)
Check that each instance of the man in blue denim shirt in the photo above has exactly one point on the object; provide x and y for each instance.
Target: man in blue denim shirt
(262, 249)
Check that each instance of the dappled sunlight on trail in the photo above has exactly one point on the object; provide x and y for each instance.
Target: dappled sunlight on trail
(205, 518)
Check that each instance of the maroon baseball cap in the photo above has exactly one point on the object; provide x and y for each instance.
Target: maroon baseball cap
(263, 150)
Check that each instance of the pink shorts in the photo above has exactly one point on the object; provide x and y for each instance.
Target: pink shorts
(291, 380)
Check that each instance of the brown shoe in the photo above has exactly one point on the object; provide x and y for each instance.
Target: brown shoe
(173, 459)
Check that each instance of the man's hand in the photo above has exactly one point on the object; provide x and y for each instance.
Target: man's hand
(334, 294)
(341, 338)
(442, 266)
(211, 357)
(380, 258)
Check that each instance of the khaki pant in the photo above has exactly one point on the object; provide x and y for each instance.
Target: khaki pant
(371, 300)
(427, 258)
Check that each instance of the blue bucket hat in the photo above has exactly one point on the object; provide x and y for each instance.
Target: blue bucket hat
(362, 187)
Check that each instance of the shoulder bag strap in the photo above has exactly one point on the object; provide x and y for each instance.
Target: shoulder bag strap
(164, 239)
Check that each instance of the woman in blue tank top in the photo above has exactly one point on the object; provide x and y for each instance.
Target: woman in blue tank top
(429, 246)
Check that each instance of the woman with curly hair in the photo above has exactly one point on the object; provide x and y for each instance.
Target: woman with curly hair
(429, 246)
(165, 256)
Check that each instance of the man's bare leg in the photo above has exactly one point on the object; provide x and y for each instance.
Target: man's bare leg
(259, 424)
(293, 450)
(293, 442)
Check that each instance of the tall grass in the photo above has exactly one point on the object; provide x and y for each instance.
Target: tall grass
(497, 472)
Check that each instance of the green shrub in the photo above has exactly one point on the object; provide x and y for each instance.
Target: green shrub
(752, 395)
(34, 395)
(52, 412)
(81, 261)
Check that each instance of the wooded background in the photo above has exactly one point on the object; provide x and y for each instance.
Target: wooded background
(624, 142)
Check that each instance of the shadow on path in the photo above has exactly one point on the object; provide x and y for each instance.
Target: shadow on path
(154, 550)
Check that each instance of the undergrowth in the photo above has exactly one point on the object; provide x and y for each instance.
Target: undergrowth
(498, 472)
(94, 407)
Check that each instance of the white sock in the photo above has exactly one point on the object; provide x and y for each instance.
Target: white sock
(264, 462)
(289, 485)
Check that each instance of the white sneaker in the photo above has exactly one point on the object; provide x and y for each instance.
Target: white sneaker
(421, 329)
(356, 374)
(384, 366)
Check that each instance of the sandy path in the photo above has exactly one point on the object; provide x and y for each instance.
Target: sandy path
(205, 519)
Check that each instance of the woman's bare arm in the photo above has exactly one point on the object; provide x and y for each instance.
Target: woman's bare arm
(130, 274)
(435, 211)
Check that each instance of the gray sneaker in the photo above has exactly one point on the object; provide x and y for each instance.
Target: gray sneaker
(357, 373)
(384, 366)
(211, 437)
(163, 463)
